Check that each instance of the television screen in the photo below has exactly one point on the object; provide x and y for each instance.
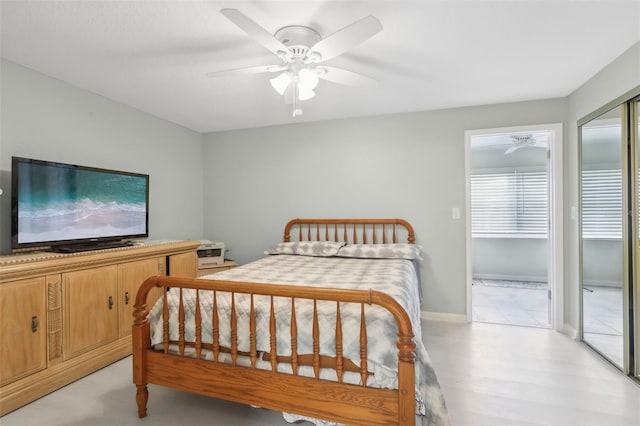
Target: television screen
(56, 203)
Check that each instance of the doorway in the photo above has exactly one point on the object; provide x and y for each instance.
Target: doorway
(513, 239)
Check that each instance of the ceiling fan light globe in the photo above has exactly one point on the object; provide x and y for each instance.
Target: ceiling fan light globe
(304, 93)
(281, 82)
(308, 78)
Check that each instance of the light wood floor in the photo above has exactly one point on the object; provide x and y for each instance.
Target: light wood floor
(507, 375)
(491, 375)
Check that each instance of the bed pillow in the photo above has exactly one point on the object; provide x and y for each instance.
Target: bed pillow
(381, 251)
(307, 248)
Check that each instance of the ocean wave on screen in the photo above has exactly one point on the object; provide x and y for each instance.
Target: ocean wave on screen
(80, 209)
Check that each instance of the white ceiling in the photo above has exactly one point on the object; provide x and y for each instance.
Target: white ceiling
(430, 55)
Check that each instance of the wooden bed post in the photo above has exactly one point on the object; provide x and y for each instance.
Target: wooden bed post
(406, 380)
(141, 342)
(406, 357)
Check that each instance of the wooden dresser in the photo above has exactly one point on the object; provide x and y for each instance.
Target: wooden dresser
(63, 316)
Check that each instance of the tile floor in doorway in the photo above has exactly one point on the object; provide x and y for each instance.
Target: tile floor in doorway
(510, 302)
(525, 303)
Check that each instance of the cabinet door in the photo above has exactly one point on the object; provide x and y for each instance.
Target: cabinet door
(130, 276)
(23, 328)
(183, 265)
(90, 309)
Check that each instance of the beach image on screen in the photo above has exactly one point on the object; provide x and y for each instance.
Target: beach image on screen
(65, 203)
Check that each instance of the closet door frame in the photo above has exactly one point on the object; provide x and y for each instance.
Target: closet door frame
(630, 228)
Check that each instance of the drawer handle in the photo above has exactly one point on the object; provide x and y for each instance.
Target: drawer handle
(126, 298)
(34, 324)
(110, 302)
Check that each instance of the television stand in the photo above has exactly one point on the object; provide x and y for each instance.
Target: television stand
(77, 248)
(55, 315)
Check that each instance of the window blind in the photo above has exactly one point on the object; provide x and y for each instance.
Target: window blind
(602, 204)
(513, 203)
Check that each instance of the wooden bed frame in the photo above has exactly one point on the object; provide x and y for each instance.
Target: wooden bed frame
(308, 396)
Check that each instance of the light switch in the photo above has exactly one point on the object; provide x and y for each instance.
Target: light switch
(455, 212)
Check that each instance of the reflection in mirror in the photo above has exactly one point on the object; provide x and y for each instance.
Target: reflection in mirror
(602, 239)
(636, 289)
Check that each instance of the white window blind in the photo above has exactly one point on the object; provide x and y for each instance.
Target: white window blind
(513, 203)
(602, 203)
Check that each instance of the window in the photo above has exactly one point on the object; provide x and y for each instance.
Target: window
(510, 203)
(602, 204)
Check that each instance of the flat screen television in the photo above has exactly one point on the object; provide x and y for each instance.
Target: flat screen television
(70, 208)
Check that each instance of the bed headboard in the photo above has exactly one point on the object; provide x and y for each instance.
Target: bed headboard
(352, 231)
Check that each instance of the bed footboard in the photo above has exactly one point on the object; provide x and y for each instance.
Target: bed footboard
(186, 368)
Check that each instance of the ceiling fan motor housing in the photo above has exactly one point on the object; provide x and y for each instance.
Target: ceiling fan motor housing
(298, 39)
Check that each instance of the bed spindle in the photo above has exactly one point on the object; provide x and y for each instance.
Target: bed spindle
(373, 235)
(317, 232)
(364, 234)
(346, 240)
(272, 337)
(339, 359)
(326, 232)
(215, 327)
(384, 234)
(394, 233)
(355, 234)
(316, 340)
(252, 334)
(309, 232)
(363, 346)
(294, 338)
(234, 330)
(181, 324)
(335, 232)
(198, 320)
(165, 321)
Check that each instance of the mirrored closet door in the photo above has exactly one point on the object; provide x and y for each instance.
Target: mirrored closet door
(610, 232)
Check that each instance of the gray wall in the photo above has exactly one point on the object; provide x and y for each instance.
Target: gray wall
(516, 259)
(404, 165)
(47, 119)
(614, 80)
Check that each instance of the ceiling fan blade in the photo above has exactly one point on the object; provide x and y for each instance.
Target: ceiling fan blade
(344, 39)
(510, 150)
(247, 71)
(342, 76)
(258, 33)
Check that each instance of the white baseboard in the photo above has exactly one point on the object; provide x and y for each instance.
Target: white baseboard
(570, 331)
(594, 283)
(442, 316)
(501, 277)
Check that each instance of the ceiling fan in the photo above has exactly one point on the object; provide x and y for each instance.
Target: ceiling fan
(301, 51)
(522, 141)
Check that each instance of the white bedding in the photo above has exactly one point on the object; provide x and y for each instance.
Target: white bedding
(396, 277)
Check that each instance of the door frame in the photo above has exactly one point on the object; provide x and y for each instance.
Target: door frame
(555, 272)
